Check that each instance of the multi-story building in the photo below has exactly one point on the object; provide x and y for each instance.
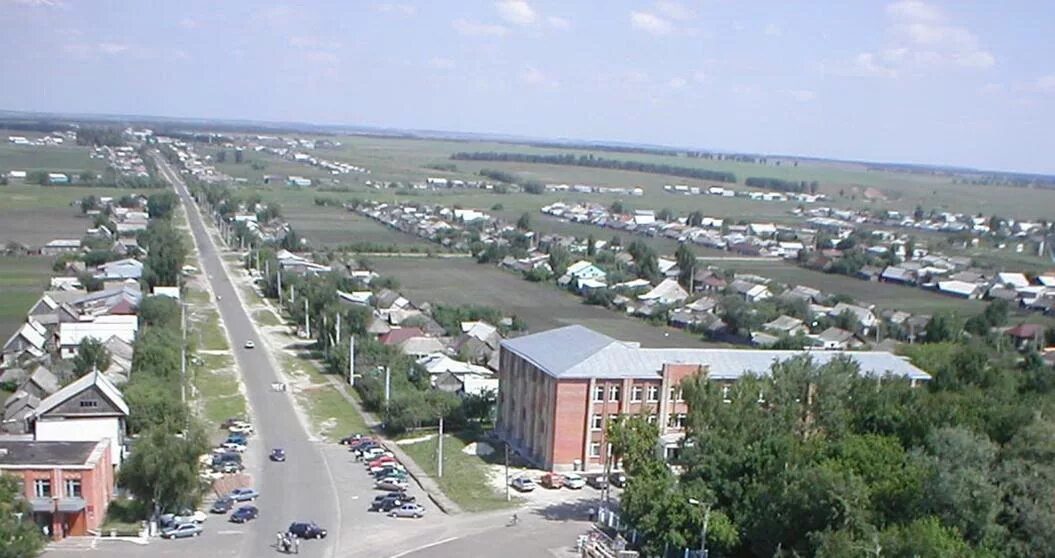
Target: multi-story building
(558, 389)
(68, 485)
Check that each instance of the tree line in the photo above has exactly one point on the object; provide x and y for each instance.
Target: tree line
(794, 186)
(593, 161)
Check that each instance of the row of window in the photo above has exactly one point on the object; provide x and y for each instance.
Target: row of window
(42, 488)
(673, 420)
(651, 393)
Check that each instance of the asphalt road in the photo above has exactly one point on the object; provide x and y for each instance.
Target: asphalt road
(302, 488)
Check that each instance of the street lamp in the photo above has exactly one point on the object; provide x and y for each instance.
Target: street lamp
(706, 520)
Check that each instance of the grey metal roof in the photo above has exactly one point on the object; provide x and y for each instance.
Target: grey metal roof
(576, 352)
(45, 453)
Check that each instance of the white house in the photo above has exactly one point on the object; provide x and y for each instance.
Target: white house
(864, 316)
(100, 328)
(90, 409)
(960, 288)
(583, 269)
(667, 292)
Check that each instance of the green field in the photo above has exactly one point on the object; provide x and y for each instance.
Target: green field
(47, 158)
(34, 214)
(464, 477)
(542, 306)
(22, 280)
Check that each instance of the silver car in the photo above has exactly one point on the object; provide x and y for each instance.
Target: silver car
(181, 531)
(408, 510)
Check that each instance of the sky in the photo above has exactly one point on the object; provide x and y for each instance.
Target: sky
(953, 83)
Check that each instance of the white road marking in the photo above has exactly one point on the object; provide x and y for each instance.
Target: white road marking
(423, 547)
(230, 532)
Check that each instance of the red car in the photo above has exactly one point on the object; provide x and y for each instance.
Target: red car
(361, 441)
(381, 461)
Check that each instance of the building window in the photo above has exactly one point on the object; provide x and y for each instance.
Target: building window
(595, 449)
(598, 393)
(73, 488)
(595, 422)
(725, 394)
(613, 393)
(653, 393)
(675, 393)
(635, 393)
(676, 421)
(652, 418)
(613, 417)
(42, 488)
(89, 403)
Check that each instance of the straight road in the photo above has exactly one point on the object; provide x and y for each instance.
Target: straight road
(302, 488)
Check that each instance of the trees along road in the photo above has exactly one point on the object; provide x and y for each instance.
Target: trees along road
(302, 488)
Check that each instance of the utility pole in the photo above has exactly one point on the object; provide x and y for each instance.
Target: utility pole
(337, 336)
(508, 496)
(279, 273)
(351, 360)
(388, 385)
(183, 352)
(307, 320)
(439, 452)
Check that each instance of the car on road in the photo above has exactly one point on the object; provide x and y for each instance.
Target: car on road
(231, 467)
(249, 344)
(231, 421)
(244, 514)
(552, 480)
(574, 481)
(277, 454)
(181, 531)
(222, 505)
(188, 515)
(598, 481)
(381, 461)
(234, 446)
(385, 502)
(241, 427)
(398, 472)
(408, 510)
(237, 438)
(306, 530)
(523, 484)
(617, 479)
(392, 466)
(243, 494)
(392, 484)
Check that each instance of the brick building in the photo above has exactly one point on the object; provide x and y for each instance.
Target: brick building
(68, 484)
(559, 388)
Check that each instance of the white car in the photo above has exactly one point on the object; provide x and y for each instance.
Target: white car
(574, 480)
(392, 485)
(233, 446)
(408, 510)
(241, 426)
(249, 344)
(188, 516)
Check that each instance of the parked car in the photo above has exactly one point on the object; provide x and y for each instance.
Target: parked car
(347, 440)
(393, 503)
(408, 510)
(234, 446)
(249, 344)
(574, 481)
(277, 454)
(374, 453)
(392, 484)
(306, 530)
(397, 471)
(523, 484)
(237, 438)
(552, 480)
(385, 467)
(181, 531)
(240, 426)
(244, 514)
(243, 494)
(230, 467)
(598, 481)
(222, 505)
(190, 516)
(617, 479)
(386, 502)
(231, 421)
(381, 461)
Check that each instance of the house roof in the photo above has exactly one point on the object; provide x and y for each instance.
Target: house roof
(1016, 280)
(835, 335)
(22, 453)
(962, 288)
(577, 352)
(86, 381)
(421, 345)
(784, 323)
(862, 314)
(667, 291)
(1026, 331)
(398, 335)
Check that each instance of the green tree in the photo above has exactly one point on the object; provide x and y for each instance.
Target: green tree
(165, 254)
(960, 489)
(91, 355)
(160, 311)
(686, 265)
(591, 246)
(163, 469)
(524, 222)
(19, 535)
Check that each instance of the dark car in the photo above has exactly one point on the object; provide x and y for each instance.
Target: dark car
(386, 502)
(277, 454)
(223, 505)
(617, 479)
(349, 439)
(597, 481)
(307, 530)
(244, 513)
(237, 438)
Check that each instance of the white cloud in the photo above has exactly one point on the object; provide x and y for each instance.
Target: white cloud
(321, 57)
(676, 82)
(112, 48)
(674, 10)
(650, 23)
(922, 39)
(476, 29)
(536, 77)
(773, 30)
(802, 95)
(913, 10)
(517, 12)
(992, 89)
(189, 23)
(302, 41)
(1046, 84)
(699, 76)
(398, 9)
(558, 22)
(40, 3)
(439, 63)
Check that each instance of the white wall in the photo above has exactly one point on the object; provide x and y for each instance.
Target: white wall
(89, 429)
